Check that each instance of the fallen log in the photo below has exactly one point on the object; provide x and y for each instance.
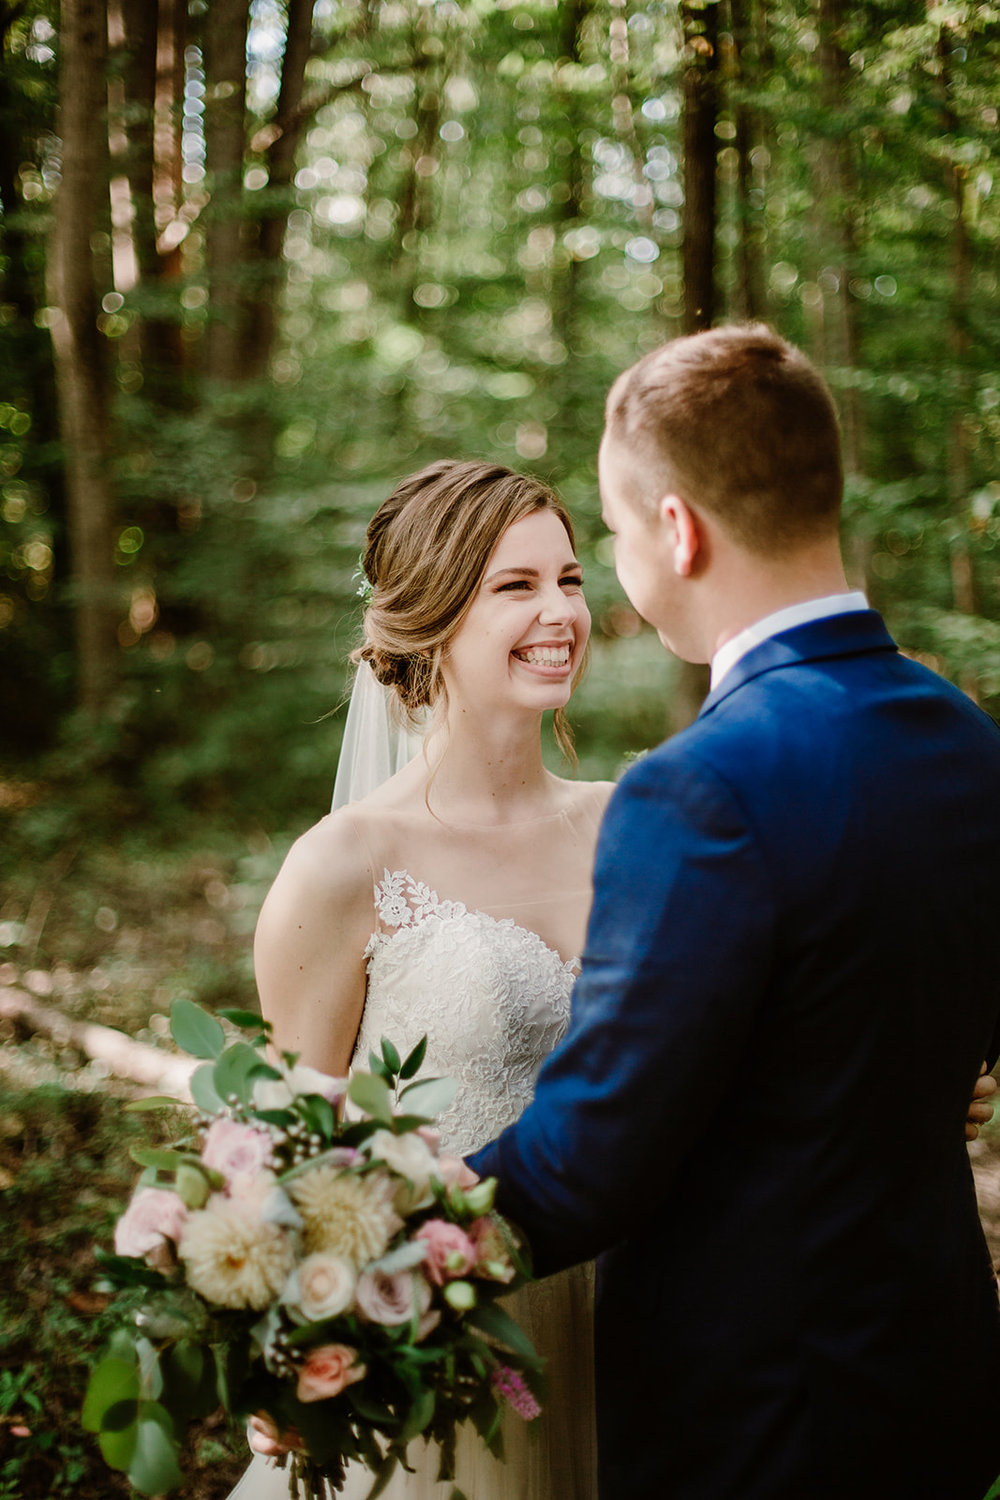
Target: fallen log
(132, 1061)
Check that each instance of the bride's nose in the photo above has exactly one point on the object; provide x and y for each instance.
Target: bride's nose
(555, 607)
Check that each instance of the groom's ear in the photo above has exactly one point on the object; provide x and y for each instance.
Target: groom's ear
(684, 533)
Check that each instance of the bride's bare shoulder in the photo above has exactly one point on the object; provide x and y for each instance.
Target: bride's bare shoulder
(330, 857)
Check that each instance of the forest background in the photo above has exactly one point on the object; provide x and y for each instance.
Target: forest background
(260, 258)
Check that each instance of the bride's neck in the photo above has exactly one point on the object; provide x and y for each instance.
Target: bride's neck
(488, 773)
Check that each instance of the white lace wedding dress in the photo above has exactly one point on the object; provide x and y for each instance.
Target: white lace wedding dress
(487, 978)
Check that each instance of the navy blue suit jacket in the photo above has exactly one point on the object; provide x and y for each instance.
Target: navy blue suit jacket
(790, 980)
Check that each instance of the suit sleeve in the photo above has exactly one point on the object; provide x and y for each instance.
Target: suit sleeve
(677, 956)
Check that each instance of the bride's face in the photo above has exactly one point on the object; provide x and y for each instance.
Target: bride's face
(526, 631)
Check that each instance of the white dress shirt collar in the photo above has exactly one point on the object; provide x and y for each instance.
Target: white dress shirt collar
(730, 652)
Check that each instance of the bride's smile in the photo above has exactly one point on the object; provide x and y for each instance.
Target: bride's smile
(551, 656)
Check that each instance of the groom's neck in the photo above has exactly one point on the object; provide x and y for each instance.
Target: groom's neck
(740, 588)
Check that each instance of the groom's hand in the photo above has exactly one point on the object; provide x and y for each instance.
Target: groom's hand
(981, 1106)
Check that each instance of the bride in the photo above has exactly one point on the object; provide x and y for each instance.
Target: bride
(452, 900)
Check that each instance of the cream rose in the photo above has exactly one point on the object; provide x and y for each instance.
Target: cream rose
(409, 1156)
(321, 1287)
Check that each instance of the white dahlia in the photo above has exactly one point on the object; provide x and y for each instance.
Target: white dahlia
(345, 1215)
(233, 1257)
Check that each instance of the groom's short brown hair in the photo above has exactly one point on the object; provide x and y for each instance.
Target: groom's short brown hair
(735, 420)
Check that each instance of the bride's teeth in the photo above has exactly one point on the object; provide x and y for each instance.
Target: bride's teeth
(546, 656)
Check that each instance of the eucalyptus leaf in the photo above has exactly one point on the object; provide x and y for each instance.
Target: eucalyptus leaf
(195, 1031)
(412, 1062)
(118, 1448)
(119, 1416)
(419, 1415)
(112, 1381)
(378, 1067)
(390, 1056)
(280, 1117)
(154, 1101)
(404, 1124)
(371, 1094)
(491, 1319)
(154, 1469)
(159, 1157)
(203, 1090)
(429, 1096)
(410, 1253)
(236, 1069)
(248, 1019)
(318, 1113)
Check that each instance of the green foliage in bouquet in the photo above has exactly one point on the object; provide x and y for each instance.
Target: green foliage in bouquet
(318, 1264)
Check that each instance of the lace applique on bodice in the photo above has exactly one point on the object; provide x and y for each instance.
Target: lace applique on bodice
(491, 996)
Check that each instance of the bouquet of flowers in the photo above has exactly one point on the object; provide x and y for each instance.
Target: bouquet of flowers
(329, 1271)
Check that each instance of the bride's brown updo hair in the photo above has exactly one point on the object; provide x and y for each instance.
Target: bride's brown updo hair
(427, 549)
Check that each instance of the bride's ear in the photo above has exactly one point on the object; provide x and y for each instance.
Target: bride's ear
(684, 534)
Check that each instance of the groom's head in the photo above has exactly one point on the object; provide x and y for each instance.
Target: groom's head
(739, 425)
(721, 481)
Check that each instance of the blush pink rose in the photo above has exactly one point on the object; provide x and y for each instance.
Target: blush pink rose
(154, 1215)
(450, 1252)
(390, 1299)
(327, 1371)
(235, 1150)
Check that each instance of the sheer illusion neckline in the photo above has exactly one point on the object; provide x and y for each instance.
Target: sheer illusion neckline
(404, 912)
(496, 829)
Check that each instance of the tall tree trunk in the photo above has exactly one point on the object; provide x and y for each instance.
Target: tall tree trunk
(835, 323)
(168, 161)
(81, 374)
(29, 370)
(225, 107)
(837, 193)
(286, 131)
(565, 288)
(749, 299)
(137, 30)
(139, 27)
(700, 23)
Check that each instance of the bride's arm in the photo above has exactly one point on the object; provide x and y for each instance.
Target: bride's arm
(310, 943)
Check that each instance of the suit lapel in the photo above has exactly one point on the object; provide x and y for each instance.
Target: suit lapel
(838, 635)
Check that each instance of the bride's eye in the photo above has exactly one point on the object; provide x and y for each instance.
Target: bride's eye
(572, 580)
(517, 583)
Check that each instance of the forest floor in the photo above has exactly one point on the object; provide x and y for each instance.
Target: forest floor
(103, 937)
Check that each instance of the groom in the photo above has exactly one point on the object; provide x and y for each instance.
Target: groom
(798, 898)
